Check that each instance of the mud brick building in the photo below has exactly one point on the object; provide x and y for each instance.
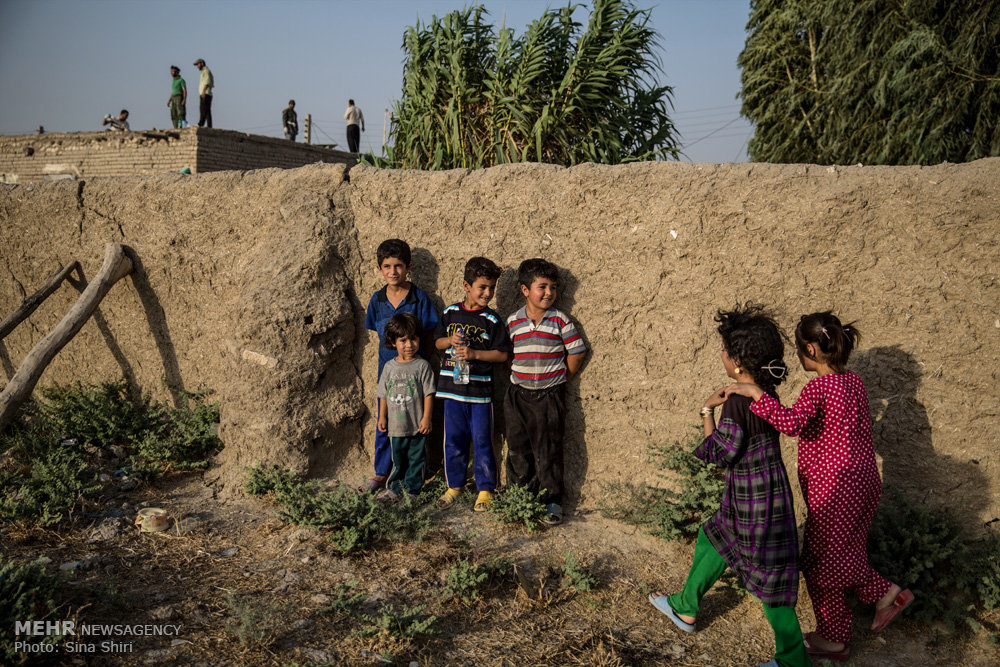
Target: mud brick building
(80, 155)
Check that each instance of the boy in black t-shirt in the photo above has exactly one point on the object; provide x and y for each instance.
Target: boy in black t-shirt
(475, 338)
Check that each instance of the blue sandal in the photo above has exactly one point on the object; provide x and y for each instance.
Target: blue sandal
(663, 604)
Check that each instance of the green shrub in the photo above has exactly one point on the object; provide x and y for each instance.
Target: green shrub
(575, 575)
(50, 465)
(922, 549)
(516, 504)
(351, 521)
(403, 622)
(27, 593)
(985, 565)
(255, 623)
(345, 600)
(665, 513)
(104, 414)
(184, 436)
(48, 491)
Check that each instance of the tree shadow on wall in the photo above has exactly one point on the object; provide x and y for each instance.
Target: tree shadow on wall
(902, 437)
(157, 320)
(80, 284)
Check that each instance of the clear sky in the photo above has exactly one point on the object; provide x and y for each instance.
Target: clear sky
(64, 64)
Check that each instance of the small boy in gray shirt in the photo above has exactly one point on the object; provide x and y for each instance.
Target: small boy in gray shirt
(406, 388)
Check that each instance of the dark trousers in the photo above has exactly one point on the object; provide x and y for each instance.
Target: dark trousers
(353, 138)
(178, 111)
(205, 107)
(407, 463)
(535, 420)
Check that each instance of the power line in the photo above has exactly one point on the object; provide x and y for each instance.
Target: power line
(713, 132)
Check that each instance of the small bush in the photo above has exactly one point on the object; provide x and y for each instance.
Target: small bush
(665, 513)
(922, 549)
(255, 623)
(27, 593)
(346, 601)
(575, 575)
(351, 521)
(516, 504)
(403, 622)
(51, 460)
(985, 565)
(47, 492)
(103, 415)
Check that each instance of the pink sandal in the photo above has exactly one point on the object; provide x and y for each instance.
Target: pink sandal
(884, 616)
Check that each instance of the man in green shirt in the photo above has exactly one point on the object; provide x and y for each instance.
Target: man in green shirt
(178, 98)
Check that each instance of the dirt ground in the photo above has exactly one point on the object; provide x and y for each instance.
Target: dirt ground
(287, 574)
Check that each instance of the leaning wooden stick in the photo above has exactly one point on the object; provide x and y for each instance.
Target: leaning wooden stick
(29, 305)
(116, 266)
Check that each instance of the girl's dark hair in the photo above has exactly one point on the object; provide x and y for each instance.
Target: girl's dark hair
(403, 325)
(835, 341)
(752, 338)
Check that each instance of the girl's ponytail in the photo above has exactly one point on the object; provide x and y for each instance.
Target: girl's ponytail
(834, 340)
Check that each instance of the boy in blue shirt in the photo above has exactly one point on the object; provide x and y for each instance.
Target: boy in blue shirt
(398, 296)
(473, 334)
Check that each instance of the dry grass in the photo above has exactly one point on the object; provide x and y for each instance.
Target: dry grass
(525, 617)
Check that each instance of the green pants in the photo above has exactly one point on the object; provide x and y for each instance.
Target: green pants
(408, 456)
(706, 568)
(178, 111)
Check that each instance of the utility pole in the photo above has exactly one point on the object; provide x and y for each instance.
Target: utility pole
(385, 117)
(308, 132)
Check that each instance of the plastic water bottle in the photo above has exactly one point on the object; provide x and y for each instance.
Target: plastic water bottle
(461, 367)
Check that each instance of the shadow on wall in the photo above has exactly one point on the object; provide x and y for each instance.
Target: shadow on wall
(902, 435)
(157, 320)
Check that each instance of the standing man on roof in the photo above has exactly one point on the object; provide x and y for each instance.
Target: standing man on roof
(178, 98)
(353, 116)
(205, 86)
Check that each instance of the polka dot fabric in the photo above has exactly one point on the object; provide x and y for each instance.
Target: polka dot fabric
(842, 486)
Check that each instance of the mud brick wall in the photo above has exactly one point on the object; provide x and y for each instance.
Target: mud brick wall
(82, 155)
(255, 284)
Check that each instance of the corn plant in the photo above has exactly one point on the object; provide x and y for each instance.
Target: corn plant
(475, 95)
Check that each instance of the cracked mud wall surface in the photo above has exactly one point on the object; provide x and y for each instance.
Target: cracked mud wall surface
(259, 282)
(240, 288)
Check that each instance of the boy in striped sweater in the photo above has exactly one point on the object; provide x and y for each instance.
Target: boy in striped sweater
(548, 352)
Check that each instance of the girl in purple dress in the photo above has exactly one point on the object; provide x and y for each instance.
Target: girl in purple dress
(753, 532)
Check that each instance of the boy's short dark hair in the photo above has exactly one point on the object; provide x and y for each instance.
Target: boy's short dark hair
(532, 269)
(397, 248)
(480, 267)
(402, 325)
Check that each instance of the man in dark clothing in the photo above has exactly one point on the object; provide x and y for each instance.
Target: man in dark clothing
(290, 121)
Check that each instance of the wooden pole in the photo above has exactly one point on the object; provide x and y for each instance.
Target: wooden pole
(116, 266)
(29, 305)
(308, 133)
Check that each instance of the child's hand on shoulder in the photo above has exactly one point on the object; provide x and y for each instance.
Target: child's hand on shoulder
(717, 398)
(425, 425)
(748, 389)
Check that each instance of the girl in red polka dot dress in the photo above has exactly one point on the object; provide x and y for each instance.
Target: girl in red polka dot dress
(839, 479)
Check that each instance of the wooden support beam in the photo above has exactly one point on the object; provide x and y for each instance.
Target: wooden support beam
(116, 266)
(29, 305)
